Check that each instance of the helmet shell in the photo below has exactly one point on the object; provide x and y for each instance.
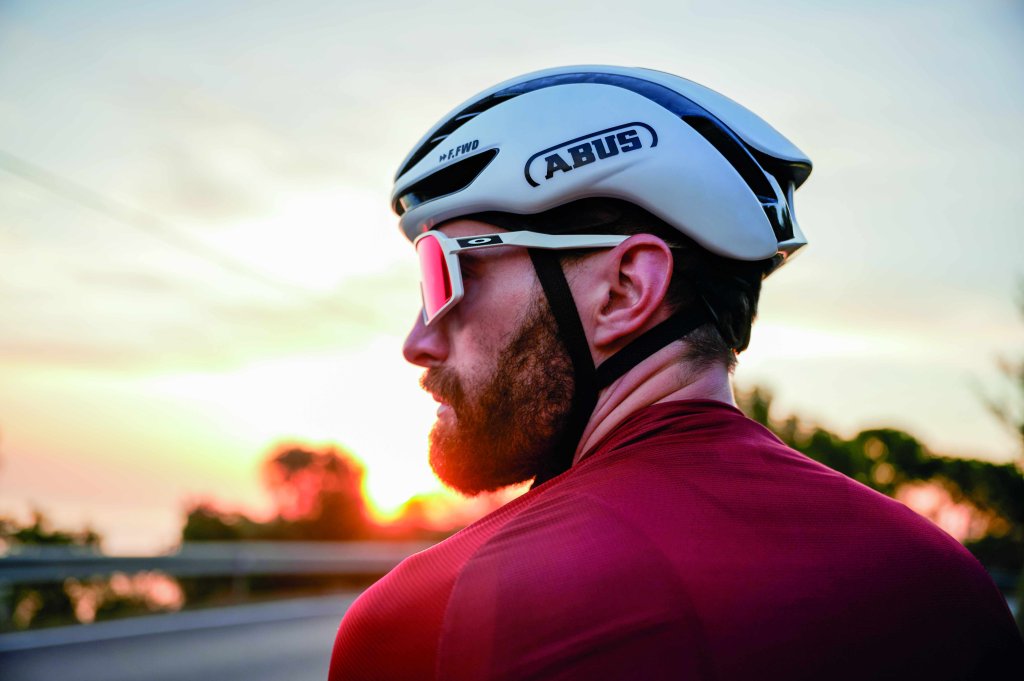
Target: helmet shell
(696, 159)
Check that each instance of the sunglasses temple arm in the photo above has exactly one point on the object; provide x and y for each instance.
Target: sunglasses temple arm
(549, 241)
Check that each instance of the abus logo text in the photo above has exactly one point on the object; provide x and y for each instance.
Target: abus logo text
(582, 151)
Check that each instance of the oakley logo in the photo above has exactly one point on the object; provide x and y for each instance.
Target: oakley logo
(582, 151)
(479, 241)
(455, 152)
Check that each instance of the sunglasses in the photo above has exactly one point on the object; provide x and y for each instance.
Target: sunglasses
(441, 278)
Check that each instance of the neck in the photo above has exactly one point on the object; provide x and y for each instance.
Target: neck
(662, 377)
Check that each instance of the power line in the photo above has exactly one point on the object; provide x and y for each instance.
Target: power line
(74, 192)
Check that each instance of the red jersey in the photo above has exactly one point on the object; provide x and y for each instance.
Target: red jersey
(690, 543)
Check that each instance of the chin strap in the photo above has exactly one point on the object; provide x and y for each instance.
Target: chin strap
(570, 329)
(590, 380)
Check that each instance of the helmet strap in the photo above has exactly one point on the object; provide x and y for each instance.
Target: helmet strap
(648, 343)
(589, 381)
(574, 338)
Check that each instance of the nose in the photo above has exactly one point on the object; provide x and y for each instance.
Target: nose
(425, 346)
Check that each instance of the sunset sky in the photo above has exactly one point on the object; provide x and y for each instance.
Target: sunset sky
(198, 261)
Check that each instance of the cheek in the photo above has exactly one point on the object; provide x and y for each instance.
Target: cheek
(494, 304)
(489, 298)
(473, 352)
(490, 319)
(498, 293)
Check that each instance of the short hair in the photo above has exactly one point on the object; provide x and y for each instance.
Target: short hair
(729, 289)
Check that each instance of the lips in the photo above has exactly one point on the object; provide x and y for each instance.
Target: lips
(444, 388)
(443, 406)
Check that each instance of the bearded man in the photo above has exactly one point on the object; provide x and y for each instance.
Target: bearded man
(592, 242)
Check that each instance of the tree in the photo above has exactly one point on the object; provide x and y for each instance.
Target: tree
(318, 496)
(1009, 548)
(320, 493)
(35, 603)
(1010, 409)
(205, 522)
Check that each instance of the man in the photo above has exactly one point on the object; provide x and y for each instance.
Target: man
(592, 242)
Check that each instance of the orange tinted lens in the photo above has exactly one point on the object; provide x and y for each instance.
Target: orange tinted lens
(436, 282)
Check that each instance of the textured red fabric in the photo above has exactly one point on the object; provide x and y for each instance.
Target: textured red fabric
(689, 544)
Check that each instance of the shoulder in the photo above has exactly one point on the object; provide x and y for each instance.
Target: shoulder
(569, 583)
(390, 632)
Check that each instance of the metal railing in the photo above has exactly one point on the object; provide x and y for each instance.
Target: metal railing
(209, 559)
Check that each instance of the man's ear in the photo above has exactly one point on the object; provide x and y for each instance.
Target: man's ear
(630, 284)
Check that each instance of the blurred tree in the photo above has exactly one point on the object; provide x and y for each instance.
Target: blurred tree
(39, 604)
(40, 532)
(1009, 409)
(1009, 548)
(318, 496)
(204, 522)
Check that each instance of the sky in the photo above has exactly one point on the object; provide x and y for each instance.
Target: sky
(198, 260)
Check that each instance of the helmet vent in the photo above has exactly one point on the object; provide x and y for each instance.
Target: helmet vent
(447, 180)
(453, 124)
(735, 153)
(740, 157)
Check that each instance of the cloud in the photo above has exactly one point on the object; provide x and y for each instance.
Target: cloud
(212, 164)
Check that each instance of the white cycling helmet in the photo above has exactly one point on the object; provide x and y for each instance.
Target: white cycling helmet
(695, 159)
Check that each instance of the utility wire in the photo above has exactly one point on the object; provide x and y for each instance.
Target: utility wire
(162, 230)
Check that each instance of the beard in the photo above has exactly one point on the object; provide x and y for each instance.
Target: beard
(503, 429)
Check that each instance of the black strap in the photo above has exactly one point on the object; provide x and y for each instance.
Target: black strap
(570, 329)
(652, 340)
(563, 307)
(590, 380)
